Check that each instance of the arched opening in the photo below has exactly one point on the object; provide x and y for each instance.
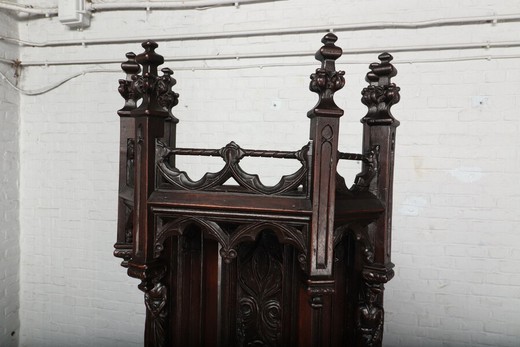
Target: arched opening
(193, 280)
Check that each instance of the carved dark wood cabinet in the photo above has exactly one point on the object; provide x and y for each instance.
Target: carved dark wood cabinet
(299, 263)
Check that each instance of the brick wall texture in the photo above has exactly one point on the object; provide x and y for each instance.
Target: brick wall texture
(456, 243)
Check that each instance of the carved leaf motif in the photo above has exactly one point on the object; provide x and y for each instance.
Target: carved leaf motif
(259, 310)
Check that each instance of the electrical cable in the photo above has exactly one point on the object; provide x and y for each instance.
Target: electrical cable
(125, 6)
(258, 66)
(355, 51)
(363, 26)
(29, 9)
(170, 5)
(277, 31)
(54, 85)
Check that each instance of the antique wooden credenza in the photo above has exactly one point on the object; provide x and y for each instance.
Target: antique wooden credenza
(299, 263)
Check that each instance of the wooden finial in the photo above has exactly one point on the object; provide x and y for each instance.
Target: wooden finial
(384, 70)
(130, 67)
(149, 59)
(155, 91)
(326, 81)
(381, 94)
(165, 96)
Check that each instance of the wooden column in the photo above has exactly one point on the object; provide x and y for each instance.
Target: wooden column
(379, 127)
(125, 220)
(324, 136)
(149, 123)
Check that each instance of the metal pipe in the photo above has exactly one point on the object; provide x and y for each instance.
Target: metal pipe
(278, 31)
(167, 5)
(346, 52)
(234, 67)
(29, 9)
(124, 6)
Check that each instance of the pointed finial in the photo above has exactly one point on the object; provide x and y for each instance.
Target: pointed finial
(149, 59)
(165, 96)
(371, 77)
(384, 70)
(326, 81)
(381, 94)
(329, 52)
(130, 67)
(149, 84)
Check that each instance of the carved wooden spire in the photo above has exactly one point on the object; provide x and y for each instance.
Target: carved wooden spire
(326, 81)
(126, 87)
(158, 98)
(381, 94)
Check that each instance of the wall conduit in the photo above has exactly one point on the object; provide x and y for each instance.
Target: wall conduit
(494, 19)
(125, 6)
(416, 48)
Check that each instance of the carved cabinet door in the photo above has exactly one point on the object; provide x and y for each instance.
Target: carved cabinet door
(254, 300)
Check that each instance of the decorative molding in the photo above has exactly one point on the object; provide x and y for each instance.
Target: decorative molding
(124, 249)
(178, 226)
(130, 162)
(230, 240)
(286, 234)
(317, 289)
(378, 274)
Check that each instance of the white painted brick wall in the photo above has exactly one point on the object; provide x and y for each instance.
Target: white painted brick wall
(9, 198)
(457, 196)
